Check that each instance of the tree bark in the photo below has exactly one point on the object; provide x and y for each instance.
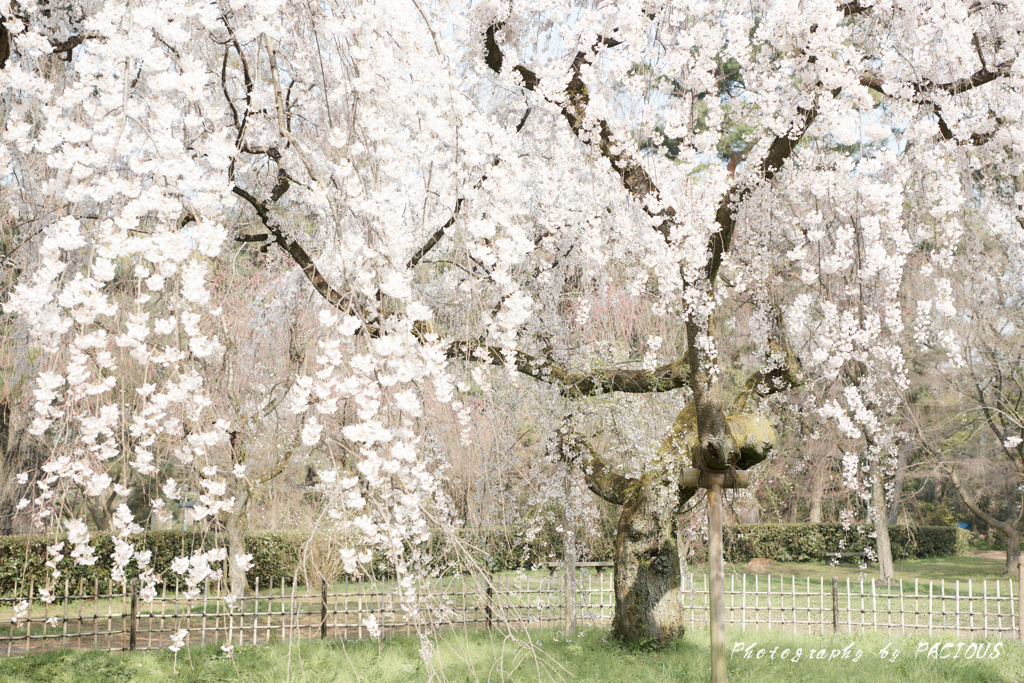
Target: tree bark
(792, 512)
(648, 596)
(1012, 552)
(897, 489)
(818, 493)
(236, 526)
(648, 600)
(880, 521)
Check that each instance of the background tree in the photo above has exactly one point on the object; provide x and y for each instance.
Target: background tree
(970, 422)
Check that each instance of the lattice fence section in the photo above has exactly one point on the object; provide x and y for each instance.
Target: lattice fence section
(111, 616)
(966, 608)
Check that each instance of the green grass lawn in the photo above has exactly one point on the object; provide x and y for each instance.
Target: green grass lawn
(533, 657)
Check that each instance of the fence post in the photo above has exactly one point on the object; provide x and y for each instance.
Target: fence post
(134, 616)
(323, 608)
(835, 604)
(1020, 601)
(489, 600)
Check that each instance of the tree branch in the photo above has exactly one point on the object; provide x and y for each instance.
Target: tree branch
(298, 254)
(779, 151)
(783, 370)
(284, 126)
(436, 237)
(850, 9)
(633, 176)
(600, 479)
(667, 377)
(921, 91)
(972, 505)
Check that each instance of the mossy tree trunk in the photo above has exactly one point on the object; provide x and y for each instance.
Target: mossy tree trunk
(648, 598)
(648, 601)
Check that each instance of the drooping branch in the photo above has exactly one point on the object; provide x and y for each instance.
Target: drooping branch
(284, 128)
(436, 237)
(783, 370)
(440, 232)
(240, 125)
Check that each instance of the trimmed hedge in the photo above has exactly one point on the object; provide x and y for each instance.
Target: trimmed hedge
(779, 542)
(23, 558)
(807, 542)
(276, 555)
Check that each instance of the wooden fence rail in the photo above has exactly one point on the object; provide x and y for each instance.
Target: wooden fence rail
(114, 617)
(966, 608)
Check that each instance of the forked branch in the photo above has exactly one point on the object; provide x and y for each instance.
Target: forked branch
(600, 478)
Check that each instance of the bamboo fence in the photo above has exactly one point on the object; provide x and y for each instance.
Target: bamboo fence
(112, 617)
(985, 608)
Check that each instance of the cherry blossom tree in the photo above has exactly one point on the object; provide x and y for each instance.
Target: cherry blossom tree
(970, 422)
(457, 183)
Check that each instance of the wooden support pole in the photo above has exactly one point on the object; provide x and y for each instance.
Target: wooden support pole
(1020, 601)
(489, 601)
(569, 555)
(132, 631)
(718, 668)
(323, 608)
(835, 605)
(690, 476)
(715, 482)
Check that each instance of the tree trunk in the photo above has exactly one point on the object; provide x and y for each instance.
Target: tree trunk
(648, 600)
(1012, 552)
(6, 501)
(236, 526)
(1012, 538)
(897, 489)
(818, 493)
(880, 521)
(792, 512)
(20, 452)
